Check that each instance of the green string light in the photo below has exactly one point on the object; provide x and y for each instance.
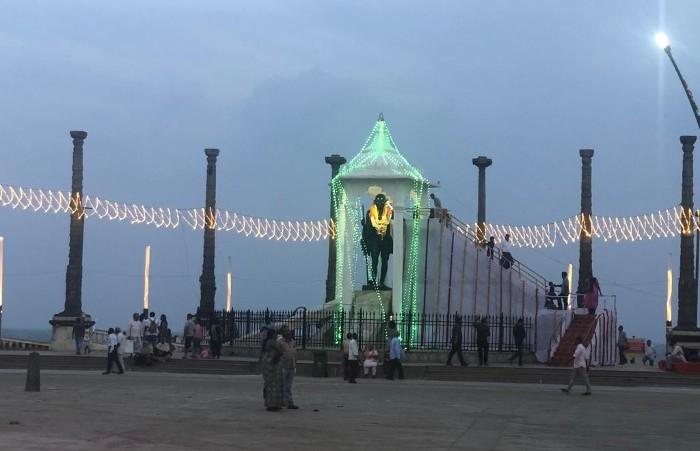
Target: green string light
(379, 158)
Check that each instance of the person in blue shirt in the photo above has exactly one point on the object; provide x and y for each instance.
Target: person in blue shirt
(395, 358)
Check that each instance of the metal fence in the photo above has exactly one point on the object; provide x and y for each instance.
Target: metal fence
(321, 329)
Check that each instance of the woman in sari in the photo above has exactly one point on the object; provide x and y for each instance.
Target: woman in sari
(272, 371)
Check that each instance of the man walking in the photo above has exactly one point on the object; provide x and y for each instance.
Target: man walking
(456, 343)
(482, 341)
(79, 335)
(112, 344)
(353, 355)
(188, 333)
(519, 336)
(622, 345)
(579, 368)
(395, 358)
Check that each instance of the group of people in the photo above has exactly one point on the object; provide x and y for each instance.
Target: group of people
(483, 332)
(589, 299)
(506, 246)
(278, 361)
(369, 358)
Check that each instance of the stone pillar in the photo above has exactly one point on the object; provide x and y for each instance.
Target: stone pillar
(482, 163)
(687, 296)
(207, 281)
(335, 161)
(585, 252)
(73, 308)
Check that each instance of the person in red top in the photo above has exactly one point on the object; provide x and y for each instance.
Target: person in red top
(590, 299)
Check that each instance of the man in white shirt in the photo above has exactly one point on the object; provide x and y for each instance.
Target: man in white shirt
(136, 332)
(580, 355)
(353, 355)
(677, 354)
(121, 341)
(649, 354)
(112, 345)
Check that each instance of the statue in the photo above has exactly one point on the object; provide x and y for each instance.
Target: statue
(376, 239)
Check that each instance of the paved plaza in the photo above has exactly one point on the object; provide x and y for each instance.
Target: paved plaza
(83, 410)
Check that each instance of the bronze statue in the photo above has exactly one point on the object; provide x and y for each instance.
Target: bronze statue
(377, 240)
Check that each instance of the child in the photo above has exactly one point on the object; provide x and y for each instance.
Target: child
(371, 357)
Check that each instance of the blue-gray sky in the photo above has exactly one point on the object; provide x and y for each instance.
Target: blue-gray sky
(279, 85)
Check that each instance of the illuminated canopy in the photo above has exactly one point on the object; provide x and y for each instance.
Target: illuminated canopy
(380, 158)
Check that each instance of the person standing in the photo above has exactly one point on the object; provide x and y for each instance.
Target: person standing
(112, 344)
(490, 244)
(649, 354)
(273, 381)
(163, 330)
(622, 344)
(590, 299)
(519, 336)
(79, 335)
(563, 299)
(346, 364)
(395, 358)
(151, 328)
(136, 332)
(506, 255)
(579, 368)
(482, 341)
(197, 337)
(188, 333)
(215, 340)
(456, 343)
(353, 356)
(289, 365)
(121, 344)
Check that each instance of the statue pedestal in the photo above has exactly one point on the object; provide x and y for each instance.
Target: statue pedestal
(62, 333)
(371, 301)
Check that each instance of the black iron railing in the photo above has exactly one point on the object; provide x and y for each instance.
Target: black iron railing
(322, 329)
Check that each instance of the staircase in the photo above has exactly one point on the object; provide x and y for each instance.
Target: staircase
(581, 326)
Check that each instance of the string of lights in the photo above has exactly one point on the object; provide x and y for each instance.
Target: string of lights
(48, 201)
(666, 223)
(661, 224)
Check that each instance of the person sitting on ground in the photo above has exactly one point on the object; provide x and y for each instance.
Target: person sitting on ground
(144, 357)
(649, 354)
(371, 357)
(162, 352)
(677, 354)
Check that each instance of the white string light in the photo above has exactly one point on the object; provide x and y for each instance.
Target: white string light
(48, 201)
(661, 224)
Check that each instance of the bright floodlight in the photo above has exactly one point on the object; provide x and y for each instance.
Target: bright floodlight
(662, 40)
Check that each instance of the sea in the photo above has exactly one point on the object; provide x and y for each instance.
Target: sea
(41, 335)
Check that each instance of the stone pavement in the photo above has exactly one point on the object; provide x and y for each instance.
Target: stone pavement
(83, 410)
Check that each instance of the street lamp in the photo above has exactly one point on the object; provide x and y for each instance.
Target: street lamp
(663, 42)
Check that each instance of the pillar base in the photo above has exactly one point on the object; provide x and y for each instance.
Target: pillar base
(62, 333)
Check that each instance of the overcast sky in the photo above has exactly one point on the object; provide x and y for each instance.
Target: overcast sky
(279, 85)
